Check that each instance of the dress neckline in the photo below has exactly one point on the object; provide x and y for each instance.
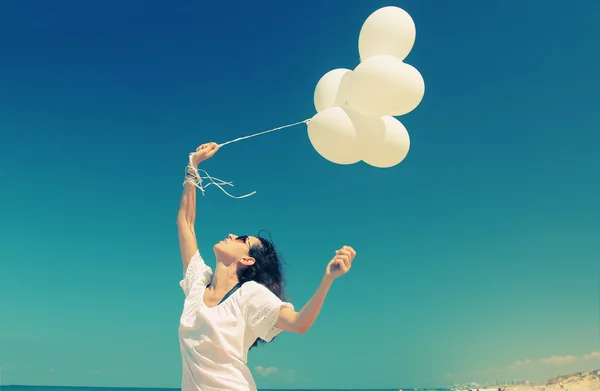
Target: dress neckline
(227, 295)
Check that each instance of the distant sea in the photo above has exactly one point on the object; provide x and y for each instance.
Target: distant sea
(57, 388)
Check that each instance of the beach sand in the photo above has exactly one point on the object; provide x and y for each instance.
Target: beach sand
(580, 381)
(575, 386)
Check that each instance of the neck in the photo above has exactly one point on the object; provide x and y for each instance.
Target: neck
(224, 277)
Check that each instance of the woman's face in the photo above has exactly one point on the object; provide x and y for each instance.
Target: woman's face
(234, 248)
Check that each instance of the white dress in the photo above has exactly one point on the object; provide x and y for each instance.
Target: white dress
(214, 341)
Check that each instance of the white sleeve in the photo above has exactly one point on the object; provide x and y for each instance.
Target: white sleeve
(261, 308)
(197, 272)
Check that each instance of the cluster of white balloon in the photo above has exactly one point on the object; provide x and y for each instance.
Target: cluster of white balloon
(356, 108)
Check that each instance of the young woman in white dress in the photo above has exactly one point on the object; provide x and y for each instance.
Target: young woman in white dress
(229, 310)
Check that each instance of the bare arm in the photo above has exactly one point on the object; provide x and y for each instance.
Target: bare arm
(186, 216)
(300, 322)
(185, 224)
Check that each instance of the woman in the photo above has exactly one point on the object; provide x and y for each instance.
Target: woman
(226, 312)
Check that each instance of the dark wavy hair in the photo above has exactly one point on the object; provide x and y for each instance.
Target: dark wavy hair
(267, 270)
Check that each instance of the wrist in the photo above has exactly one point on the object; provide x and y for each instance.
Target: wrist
(194, 160)
(327, 280)
(192, 175)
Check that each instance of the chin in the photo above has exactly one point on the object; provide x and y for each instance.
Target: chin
(218, 247)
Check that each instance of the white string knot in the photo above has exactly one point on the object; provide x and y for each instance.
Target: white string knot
(193, 177)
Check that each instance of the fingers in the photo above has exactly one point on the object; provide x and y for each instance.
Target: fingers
(207, 150)
(342, 262)
(344, 265)
(211, 150)
(209, 146)
(351, 250)
(345, 259)
(348, 251)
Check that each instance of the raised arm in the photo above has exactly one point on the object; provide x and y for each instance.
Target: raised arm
(186, 216)
(301, 321)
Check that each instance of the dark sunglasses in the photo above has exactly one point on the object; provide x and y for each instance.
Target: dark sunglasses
(243, 239)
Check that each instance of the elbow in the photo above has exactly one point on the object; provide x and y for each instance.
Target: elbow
(292, 322)
(301, 328)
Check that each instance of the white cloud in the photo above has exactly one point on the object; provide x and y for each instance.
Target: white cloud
(558, 360)
(285, 375)
(266, 371)
(555, 360)
(591, 356)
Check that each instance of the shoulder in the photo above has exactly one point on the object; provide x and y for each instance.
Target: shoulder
(197, 262)
(254, 293)
(261, 309)
(253, 288)
(196, 272)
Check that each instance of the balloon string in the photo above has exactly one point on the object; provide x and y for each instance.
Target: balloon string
(306, 121)
(219, 182)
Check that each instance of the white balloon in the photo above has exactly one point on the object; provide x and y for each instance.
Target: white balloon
(367, 128)
(333, 135)
(363, 124)
(383, 85)
(331, 89)
(389, 30)
(384, 144)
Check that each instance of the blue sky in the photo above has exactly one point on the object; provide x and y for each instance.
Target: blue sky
(477, 253)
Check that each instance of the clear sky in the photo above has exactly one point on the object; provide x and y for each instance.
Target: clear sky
(479, 252)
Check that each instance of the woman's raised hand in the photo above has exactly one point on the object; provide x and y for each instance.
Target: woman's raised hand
(203, 152)
(341, 263)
